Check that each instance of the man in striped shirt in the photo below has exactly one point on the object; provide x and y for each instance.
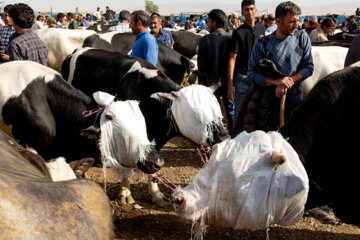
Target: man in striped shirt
(24, 43)
(6, 31)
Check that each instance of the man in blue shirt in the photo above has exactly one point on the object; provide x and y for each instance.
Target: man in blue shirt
(201, 23)
(145, 45)
(290, 50)
(168, 23)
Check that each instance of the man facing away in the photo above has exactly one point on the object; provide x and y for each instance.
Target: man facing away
(145, 45)
(213, 54)
(24, 43)
(123, 25)
(290, 51)
(242, 41)
(160, 35)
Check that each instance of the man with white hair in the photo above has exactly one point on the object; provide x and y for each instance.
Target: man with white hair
(312, 24)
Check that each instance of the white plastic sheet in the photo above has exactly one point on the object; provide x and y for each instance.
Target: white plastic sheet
(239, 187)
(202, 110)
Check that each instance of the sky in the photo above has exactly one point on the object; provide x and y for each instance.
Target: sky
(168, 6)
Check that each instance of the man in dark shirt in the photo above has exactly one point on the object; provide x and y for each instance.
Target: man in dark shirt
(213, 53)
(352, 27)
(242, 41)
(24, 43)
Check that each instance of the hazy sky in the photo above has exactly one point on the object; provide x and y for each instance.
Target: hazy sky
(169, 6)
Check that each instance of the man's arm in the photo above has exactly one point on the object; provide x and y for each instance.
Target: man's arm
(255, 77)
(231, 67)
(202, 57)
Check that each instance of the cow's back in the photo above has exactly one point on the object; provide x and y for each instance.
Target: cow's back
(61, 43)
(34, 207)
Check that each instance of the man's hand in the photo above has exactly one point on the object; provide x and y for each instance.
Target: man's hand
(280, 91)
(4, 57)
(286, 82)
(231, 92)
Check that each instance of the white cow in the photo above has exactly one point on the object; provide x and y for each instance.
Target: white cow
(327, 59)
(61, 43)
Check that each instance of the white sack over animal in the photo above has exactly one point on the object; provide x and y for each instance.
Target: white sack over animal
(246, 186)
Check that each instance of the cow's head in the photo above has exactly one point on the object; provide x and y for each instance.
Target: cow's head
(197, 114)
(123, 140)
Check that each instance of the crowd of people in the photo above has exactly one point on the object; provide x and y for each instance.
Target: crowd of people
(229, 56)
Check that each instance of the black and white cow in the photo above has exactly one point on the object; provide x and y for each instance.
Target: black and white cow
(170, 62)
(198, 117)
(324, 131)
(49, 114)
(32, 206)
(62, 43)
(186, 42)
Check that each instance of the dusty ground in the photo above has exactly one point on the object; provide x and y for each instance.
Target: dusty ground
(181, 166)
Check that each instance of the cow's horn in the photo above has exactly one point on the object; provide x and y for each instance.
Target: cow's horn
(213, 88)
(175, 94)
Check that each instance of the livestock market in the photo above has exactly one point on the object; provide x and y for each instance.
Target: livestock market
(179, 120)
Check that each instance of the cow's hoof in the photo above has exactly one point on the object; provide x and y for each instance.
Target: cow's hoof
(127, 200)
(159, 199)
(163, 202)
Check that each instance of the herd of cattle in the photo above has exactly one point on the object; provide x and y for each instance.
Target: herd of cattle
(95, 101)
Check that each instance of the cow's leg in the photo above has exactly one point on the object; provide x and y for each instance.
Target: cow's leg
(157, 196)
(125, 194)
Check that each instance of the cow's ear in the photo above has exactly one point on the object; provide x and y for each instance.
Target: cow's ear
(165, 98)
(186, 63)
(102, 98)
(91, 133)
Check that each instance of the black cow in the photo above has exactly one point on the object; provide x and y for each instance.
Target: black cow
(100, 27)
(170, 62)
(186, 42)
(324, 131)
(47, 113)
(34, 207)
(133, 78)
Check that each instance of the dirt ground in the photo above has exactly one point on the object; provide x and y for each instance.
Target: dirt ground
(153, 222)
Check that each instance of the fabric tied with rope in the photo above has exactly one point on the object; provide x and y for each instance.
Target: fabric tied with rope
(240, 188)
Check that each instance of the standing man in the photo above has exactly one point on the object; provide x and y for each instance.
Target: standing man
(38, 23)
(73, 24)
(87, 20)
(213, 54)
(123, 25)
(24, 43)
(160, 35)
(189, 24)
(290, 51)
(272, 24)
(242, 41)
(352, 27)
(145, 45)
(168, 23)
(97, 14)
(6, 31)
